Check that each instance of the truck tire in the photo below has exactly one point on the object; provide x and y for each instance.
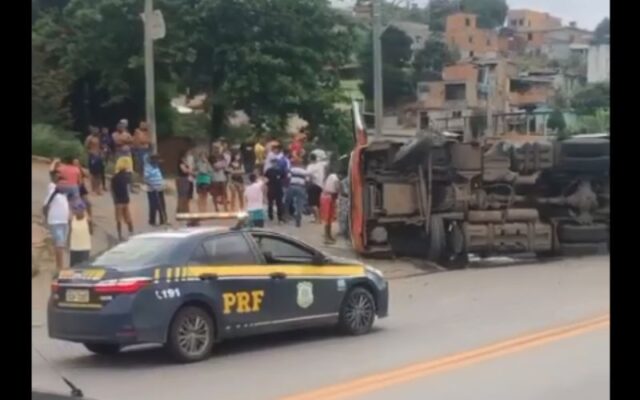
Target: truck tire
(573, 233)
(437, 239)
(585, 148)
(585, 164)
(583, 249)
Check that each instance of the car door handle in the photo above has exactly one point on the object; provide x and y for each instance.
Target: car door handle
(208, 277)
(278, 275)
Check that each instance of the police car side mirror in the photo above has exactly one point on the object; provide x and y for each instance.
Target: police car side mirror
(317, 259)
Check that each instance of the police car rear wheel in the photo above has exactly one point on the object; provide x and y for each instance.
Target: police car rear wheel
(191, 335)
(103, 349)
(358, 312)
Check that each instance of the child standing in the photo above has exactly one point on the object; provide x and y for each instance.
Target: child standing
(80, 231)
(155, 189)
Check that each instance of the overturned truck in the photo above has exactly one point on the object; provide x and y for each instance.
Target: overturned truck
(435, 196)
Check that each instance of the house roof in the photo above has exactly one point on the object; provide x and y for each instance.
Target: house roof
(570, 28)
(412, 29)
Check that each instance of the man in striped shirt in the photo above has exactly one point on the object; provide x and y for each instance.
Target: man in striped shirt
(155, 190)
(297, 190)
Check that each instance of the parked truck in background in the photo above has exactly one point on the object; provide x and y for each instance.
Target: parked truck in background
(438, 197)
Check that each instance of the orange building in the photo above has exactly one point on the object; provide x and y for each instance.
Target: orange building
(462, 32)
(531, 20)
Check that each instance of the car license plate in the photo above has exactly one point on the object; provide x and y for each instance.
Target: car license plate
(77, 296)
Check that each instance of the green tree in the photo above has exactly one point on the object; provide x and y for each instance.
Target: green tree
(432, 58)
(556, 121)
(396, 54)
(269, 58)
(438, 10)
(602, 32)
(491, 13)
(591, 98)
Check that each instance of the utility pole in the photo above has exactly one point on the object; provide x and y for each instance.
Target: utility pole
(489, 102)
(150, 93)
(376, 11)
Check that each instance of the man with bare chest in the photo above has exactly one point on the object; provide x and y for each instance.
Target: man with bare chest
(141, 147)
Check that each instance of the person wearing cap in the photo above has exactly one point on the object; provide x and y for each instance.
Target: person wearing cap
(80, 231)
(155, 189)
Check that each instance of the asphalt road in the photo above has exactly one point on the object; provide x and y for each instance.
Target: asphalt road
(484, 318)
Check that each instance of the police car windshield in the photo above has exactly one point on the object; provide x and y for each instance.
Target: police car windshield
(138, 252)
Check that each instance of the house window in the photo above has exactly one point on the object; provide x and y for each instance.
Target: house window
(514, 22)
(529, 36)
(467, 22)
(470, 39)
(456, 114)
(521, 22)
(471, 54)
(455, 91)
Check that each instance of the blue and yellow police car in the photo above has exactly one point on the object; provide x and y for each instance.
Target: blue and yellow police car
(190, 288)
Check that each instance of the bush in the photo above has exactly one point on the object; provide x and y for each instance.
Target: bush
(49, 141)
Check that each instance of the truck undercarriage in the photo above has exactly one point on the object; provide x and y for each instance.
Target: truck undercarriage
(439, 198)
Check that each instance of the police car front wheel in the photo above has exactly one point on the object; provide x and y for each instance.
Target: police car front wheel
(358, 312)
(191, 335)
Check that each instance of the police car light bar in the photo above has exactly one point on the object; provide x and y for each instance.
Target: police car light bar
(211, 216)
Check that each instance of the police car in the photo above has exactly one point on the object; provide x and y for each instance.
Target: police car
(191, 288)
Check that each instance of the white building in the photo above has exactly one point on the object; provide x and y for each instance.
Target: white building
(598, 63)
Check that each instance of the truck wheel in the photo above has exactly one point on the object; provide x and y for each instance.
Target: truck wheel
(586, 147)
(191, 335)
(103, 349)
(583, 249)
(357, 313)
(573, 233)
(458, 257)
(437, 239)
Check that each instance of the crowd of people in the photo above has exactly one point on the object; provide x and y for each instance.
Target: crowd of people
(263, 174)
(259, 176)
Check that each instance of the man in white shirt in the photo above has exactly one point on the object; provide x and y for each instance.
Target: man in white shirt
(57, 215)
(254, 199)
(317, 170)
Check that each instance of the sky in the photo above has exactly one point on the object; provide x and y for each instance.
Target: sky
(587, 13)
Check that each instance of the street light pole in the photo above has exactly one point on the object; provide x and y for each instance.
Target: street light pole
(150, 95)
(377, 65)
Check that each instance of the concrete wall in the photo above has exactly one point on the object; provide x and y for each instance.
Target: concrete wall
(529, 19)
(461, 32)
(598, 63)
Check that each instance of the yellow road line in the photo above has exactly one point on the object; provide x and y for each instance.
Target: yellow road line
(393, 377)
